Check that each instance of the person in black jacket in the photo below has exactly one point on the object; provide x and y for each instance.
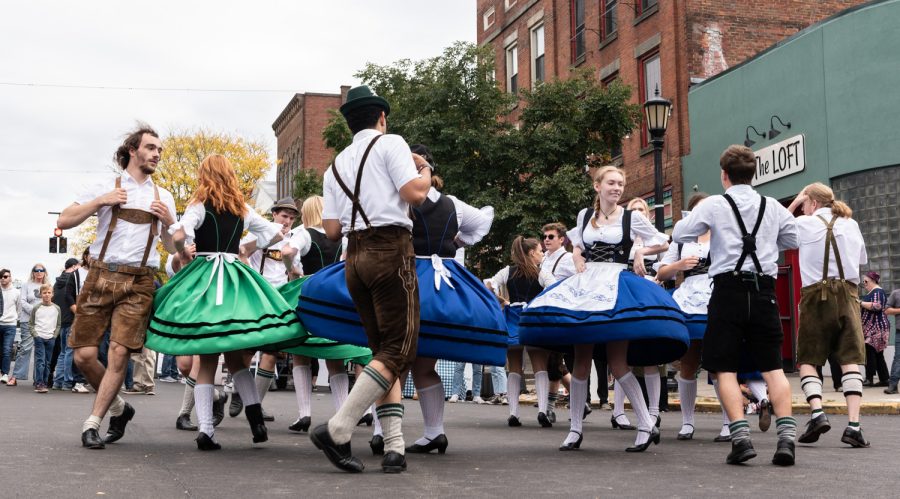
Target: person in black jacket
(64, 290)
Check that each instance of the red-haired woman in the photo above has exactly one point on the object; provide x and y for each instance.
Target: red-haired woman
(217, 303)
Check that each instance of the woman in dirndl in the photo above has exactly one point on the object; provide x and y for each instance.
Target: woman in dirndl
(217, 304)
(636, 320)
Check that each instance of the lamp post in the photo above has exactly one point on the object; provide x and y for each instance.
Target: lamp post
(657, 112)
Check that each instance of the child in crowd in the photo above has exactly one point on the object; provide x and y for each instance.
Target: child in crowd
(46, 319)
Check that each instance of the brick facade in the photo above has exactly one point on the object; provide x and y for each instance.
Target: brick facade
(695, 39)
(298, 130)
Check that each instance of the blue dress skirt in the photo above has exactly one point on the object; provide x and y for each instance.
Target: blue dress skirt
(606, 303)
(460, 319)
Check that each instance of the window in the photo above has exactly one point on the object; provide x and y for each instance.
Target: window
(608, 24)
(577, 8)
(641, 6)
(488, 18)
(512, 69)
(537, 54)
(650, 80)
(510, 4)
(650, 198)
(615, 151)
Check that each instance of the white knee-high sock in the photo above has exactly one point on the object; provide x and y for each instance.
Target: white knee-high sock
(263, 382)
(725, 420)
(578, 394)
(653, 382)
(370, 386)
(758, 389)
(431, 401)
(187, 400)
(687, 391)
(542, 386)
(246, 387)
(632, 390)
(376, 423)
(303, 389)
(340, 388)
(203, 394)
(513, 385)
(391, 416)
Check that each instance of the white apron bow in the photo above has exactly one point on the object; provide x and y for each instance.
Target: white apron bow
(441, 273)
(218, 272)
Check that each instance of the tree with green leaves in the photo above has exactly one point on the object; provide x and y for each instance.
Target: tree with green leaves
(532, 172)
(307, 182)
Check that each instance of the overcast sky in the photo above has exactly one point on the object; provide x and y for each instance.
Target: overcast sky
(55, 138)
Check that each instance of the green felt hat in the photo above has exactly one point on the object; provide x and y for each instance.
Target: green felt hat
(363, 96)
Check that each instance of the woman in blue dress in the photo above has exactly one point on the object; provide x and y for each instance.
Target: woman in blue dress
(636, 320)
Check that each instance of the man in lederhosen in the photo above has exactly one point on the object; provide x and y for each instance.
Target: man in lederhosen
(743, 321)
(380, 269)
(133, 214)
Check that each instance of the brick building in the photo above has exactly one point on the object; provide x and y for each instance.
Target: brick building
(644, 43)
(298, 130)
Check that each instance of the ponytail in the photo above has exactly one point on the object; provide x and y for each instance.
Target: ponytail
(823, 195)
(521, 247)
(841, 209)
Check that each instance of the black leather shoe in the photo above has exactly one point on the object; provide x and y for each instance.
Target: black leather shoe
(784, 454)
(722, 438)
(544, 420)
(219, 408)
(551, 415)
(205, 442)
(868, 383)
(572, 445)
(439, 442)
(301, 424)
(621, 426)
(117, 424)
(513, 421)
(891, 389)
(815, 427)
(654, 439)
(658, 420)
(91, 439)
(686, 436)
(377, 445)
(855, 438)
(765, 415)
(257, 425)
(393, 462)
(367, 419)
(184, 423)
(339, 455)
(587, 410)
(236, 406)
(740, 451)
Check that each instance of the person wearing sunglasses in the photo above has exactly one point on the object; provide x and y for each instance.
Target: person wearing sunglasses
(9, 313)
(29, 296)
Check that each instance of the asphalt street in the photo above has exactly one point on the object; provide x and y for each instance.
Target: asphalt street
(43, 457)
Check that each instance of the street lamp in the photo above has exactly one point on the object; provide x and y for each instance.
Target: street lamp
(657, 111)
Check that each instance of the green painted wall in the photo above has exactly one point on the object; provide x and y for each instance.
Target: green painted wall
(838, 83)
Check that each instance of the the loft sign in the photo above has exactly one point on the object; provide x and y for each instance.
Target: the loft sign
(780, 160)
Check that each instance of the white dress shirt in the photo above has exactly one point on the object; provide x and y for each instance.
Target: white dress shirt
(777, 232)
(126, 247)
(473, 223)
(274, 271)
(811, 232)
(388, 168)
(566, 265)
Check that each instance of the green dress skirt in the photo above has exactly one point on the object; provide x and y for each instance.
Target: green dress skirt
(320, 348)
(218, 304)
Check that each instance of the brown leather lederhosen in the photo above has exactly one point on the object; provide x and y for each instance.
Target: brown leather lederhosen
(381, 278)
(829, 314)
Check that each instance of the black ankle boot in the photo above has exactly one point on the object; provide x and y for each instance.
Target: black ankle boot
(257, 424)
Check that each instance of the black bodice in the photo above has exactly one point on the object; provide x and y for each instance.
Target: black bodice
(219, 232)
(609, 252)
(322, 252)
(521, 288)
(435, 227)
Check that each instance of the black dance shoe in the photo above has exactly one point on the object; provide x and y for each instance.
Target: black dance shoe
(377, 445)
(393, 462)
(784, 454)
(513, 421)
(621, 426)
(587, 410)
(551, 415)
(367, 419)
(658, 420)
(218, 408)
(815, 427)
(257, 425)
(117, 424)
(236, 406)
(91, 439)
(854, 438)
(184, 423)
(654, 439)
(544, 420)
(722, 438)
(741, 450)
(439, 442)
(339, 455)
(301, 424)
(205, 442)
(572, 445)
(686, 436)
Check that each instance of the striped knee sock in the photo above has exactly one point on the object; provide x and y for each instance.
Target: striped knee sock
(812, 388)
(370, 386)
(786, 428)
(187, 400)
(391, 416)
(740, 430)
(263, 382)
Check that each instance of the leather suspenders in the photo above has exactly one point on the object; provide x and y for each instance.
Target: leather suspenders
(829, 243)
(130, 215)
(354, 195)
(748, 239)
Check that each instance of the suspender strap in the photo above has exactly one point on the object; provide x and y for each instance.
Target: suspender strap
(112, 223)
(749, 240)
(830, 242)
(262, 261)
(154, 231)
(588, 213)
(557, 263)
(627, 242)
(117, 213)
(354, 195)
